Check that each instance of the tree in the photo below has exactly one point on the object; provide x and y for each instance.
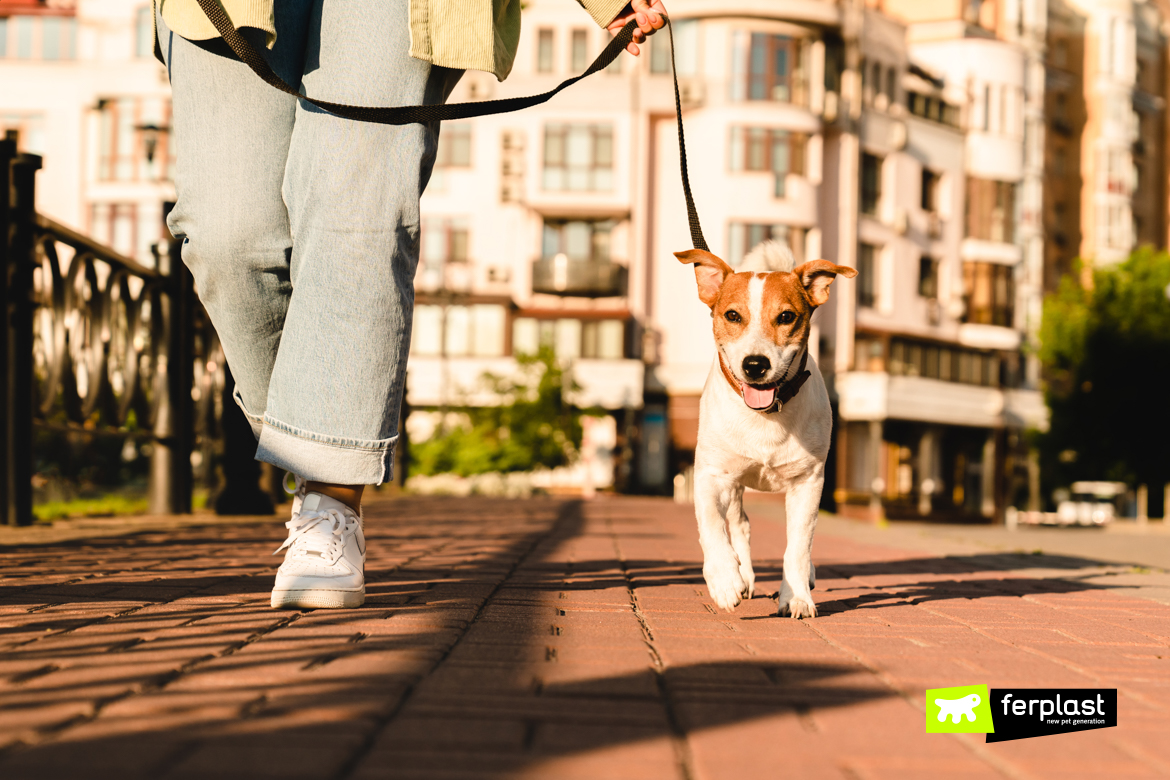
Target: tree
(1106, 358)
(534, 425)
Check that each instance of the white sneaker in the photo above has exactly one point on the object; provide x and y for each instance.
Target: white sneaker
(325, 564)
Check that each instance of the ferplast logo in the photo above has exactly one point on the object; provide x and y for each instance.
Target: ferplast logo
(962, 710)
(1019, 713)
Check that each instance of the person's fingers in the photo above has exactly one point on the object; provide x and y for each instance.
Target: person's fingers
(633, 49)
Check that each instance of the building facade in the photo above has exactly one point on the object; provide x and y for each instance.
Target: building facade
(958, 154)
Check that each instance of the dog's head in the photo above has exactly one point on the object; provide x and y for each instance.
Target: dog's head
(761, 320)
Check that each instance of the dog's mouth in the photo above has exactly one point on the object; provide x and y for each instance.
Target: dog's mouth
(759, 397)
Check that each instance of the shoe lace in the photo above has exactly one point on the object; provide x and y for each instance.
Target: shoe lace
(317, 534)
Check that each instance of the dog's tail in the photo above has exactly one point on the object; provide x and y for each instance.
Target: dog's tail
(768, 257)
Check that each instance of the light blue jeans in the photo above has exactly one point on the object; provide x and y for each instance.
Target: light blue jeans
(301, 229)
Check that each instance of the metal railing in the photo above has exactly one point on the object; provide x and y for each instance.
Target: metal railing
(560, 275)
(94, 343)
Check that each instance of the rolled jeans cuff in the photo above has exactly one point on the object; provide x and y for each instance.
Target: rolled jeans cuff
(319, 458)
(256, 421)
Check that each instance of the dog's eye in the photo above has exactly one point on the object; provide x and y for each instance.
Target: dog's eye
(786, 317)
(731, 315)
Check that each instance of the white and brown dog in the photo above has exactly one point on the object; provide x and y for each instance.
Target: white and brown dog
(764, 418)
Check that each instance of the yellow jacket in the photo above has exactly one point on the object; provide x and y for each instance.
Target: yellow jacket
(465, 34)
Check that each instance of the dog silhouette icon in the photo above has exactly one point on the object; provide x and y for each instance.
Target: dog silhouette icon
(957, 708)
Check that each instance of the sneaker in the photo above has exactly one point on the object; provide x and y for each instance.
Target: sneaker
(324, 567)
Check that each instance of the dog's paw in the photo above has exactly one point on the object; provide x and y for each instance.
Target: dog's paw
(798, 607)
(748, 575)
(725, 585)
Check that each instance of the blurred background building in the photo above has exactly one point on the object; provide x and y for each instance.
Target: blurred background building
(960, 154)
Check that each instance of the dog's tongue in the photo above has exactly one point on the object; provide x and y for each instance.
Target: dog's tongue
(758, 399)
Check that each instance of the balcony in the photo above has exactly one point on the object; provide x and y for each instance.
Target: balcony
(559, 275)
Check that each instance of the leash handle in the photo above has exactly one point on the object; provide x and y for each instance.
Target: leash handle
(405, 115)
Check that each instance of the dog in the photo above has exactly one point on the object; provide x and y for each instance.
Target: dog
(764, 416)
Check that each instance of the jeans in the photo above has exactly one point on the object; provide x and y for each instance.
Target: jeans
(301, 229)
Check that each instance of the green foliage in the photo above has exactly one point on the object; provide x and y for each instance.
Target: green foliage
(1106, 356)
(534, 425)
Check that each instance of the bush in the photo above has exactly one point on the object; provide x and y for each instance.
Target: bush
(533, 426)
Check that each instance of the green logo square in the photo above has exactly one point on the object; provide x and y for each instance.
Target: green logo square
(962, 710)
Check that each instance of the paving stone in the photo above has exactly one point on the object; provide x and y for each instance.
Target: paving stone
(550, 638)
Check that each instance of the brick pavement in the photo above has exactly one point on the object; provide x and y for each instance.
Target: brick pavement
(553, 639)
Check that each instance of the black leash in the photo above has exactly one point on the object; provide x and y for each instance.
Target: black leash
(404, 115)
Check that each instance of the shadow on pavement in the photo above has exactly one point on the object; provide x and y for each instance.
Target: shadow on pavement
(172, 665)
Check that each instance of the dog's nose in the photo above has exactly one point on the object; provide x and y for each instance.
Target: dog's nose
(756, 366)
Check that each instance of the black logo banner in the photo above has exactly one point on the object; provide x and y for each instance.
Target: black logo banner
(1019, 713)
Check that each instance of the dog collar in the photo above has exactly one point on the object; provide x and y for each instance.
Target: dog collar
(785, 391)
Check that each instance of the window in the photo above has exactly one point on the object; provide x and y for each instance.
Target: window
(586, 240)
(143, 33)
(133, 140)
(578, 157)
(116, 225)
(932, 108)
(544, 51)
(743, 237)
(930, 182)
(46, 37)
(989, 293)
(24, 37)
(764, 149)
(765, 67)
(29, 130)
(892, 85)
(928, 277)
(602, 339)
(1114, 168)
(476, 330)
(909, 357)
(579, 51)
(991, 210)
(866, 275)
(659, 54)
(871, 183)
(454, 146)
(442, 240)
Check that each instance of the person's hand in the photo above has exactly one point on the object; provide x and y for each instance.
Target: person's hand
(651, 16)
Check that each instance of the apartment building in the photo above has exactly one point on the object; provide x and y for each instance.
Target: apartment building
(925, 143)
(81, 87)
(1106, 142)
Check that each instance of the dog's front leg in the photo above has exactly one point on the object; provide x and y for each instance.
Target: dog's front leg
(714, 492)
(801, 507)
(741, 540)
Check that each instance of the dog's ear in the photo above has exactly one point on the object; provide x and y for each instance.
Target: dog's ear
(817, 275)
(710, 272)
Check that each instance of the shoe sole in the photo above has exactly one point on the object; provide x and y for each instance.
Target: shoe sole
(318, 599)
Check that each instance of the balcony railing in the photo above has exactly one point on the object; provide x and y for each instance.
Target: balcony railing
(581, 278)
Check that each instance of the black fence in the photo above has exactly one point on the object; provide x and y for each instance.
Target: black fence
(96, 344)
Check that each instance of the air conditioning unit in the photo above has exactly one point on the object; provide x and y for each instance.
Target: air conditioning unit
(691, 91)
(933, 226)
(511, 192)
(512, 140)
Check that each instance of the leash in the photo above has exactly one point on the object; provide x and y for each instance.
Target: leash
(405, 115)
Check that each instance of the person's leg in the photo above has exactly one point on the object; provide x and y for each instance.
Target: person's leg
(352, 190)
(232, 133)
